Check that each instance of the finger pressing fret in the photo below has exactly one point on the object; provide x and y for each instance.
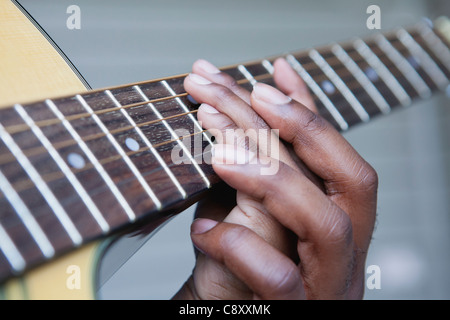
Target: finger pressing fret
(171, 134)
(77, 167)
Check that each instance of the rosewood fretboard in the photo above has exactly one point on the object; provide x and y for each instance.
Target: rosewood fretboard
(77, 168)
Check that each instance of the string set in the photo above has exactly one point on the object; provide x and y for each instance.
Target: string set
(333, 61)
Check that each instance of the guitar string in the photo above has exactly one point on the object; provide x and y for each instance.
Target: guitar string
(42, 150)
(67, 143)
(4, 159)
(339, 68)
(25, 184)
(62, 144)
(34, 151)
(104, 161)
(13, 129)
(333, 62)
(165, 142)
(49, 177)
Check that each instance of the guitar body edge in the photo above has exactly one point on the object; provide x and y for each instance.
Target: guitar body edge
(32, 68)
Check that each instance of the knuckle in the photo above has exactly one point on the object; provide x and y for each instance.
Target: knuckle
(257, 122)
(305, 123)
(235, 236)
(369, 177)
(229, 81)
(336, 227)
(313, 122)
(246, 142)
(226, 80)
(365, 177)
(284, 280)
(223, 93)
(237, 137)
(341, 230)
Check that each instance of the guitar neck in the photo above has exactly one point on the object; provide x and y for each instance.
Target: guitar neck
(76, 168)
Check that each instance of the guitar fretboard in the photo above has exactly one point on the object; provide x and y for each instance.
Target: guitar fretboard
(77, 168)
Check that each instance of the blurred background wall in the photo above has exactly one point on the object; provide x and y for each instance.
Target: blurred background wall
(129, 41)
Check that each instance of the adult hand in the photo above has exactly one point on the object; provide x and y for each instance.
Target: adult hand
(303, 230)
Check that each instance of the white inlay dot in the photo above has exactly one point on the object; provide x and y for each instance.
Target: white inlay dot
(132, 144)
(413, 61)
(328, 87)
(76, 160)
(191, 99)
(371, 74)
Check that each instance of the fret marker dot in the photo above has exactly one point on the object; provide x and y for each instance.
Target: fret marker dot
(76, 160)
(413, 61)
(328, 87)
(191, 99)
(132, 144)
(371, 74)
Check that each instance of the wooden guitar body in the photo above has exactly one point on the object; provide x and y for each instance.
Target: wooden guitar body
(36, 70)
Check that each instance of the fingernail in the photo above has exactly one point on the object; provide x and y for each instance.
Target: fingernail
(198, 79)
(208, 109)
(207, 66)
(228, 154)
(200, 226)
(269, 94)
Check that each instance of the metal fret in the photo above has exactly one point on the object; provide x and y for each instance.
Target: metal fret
(124, 156)
(435, 44)
(318, 92)
(83, 146)
(362, 78)
(372, 59)
(337, 81)
(174, 135)
(404, 66)
(247, 74)
(149, 145)
(429, 66)
(269, 67)
(40, 184)
(84, 196)
(26, 217)
(11, 252)
(185, 109)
